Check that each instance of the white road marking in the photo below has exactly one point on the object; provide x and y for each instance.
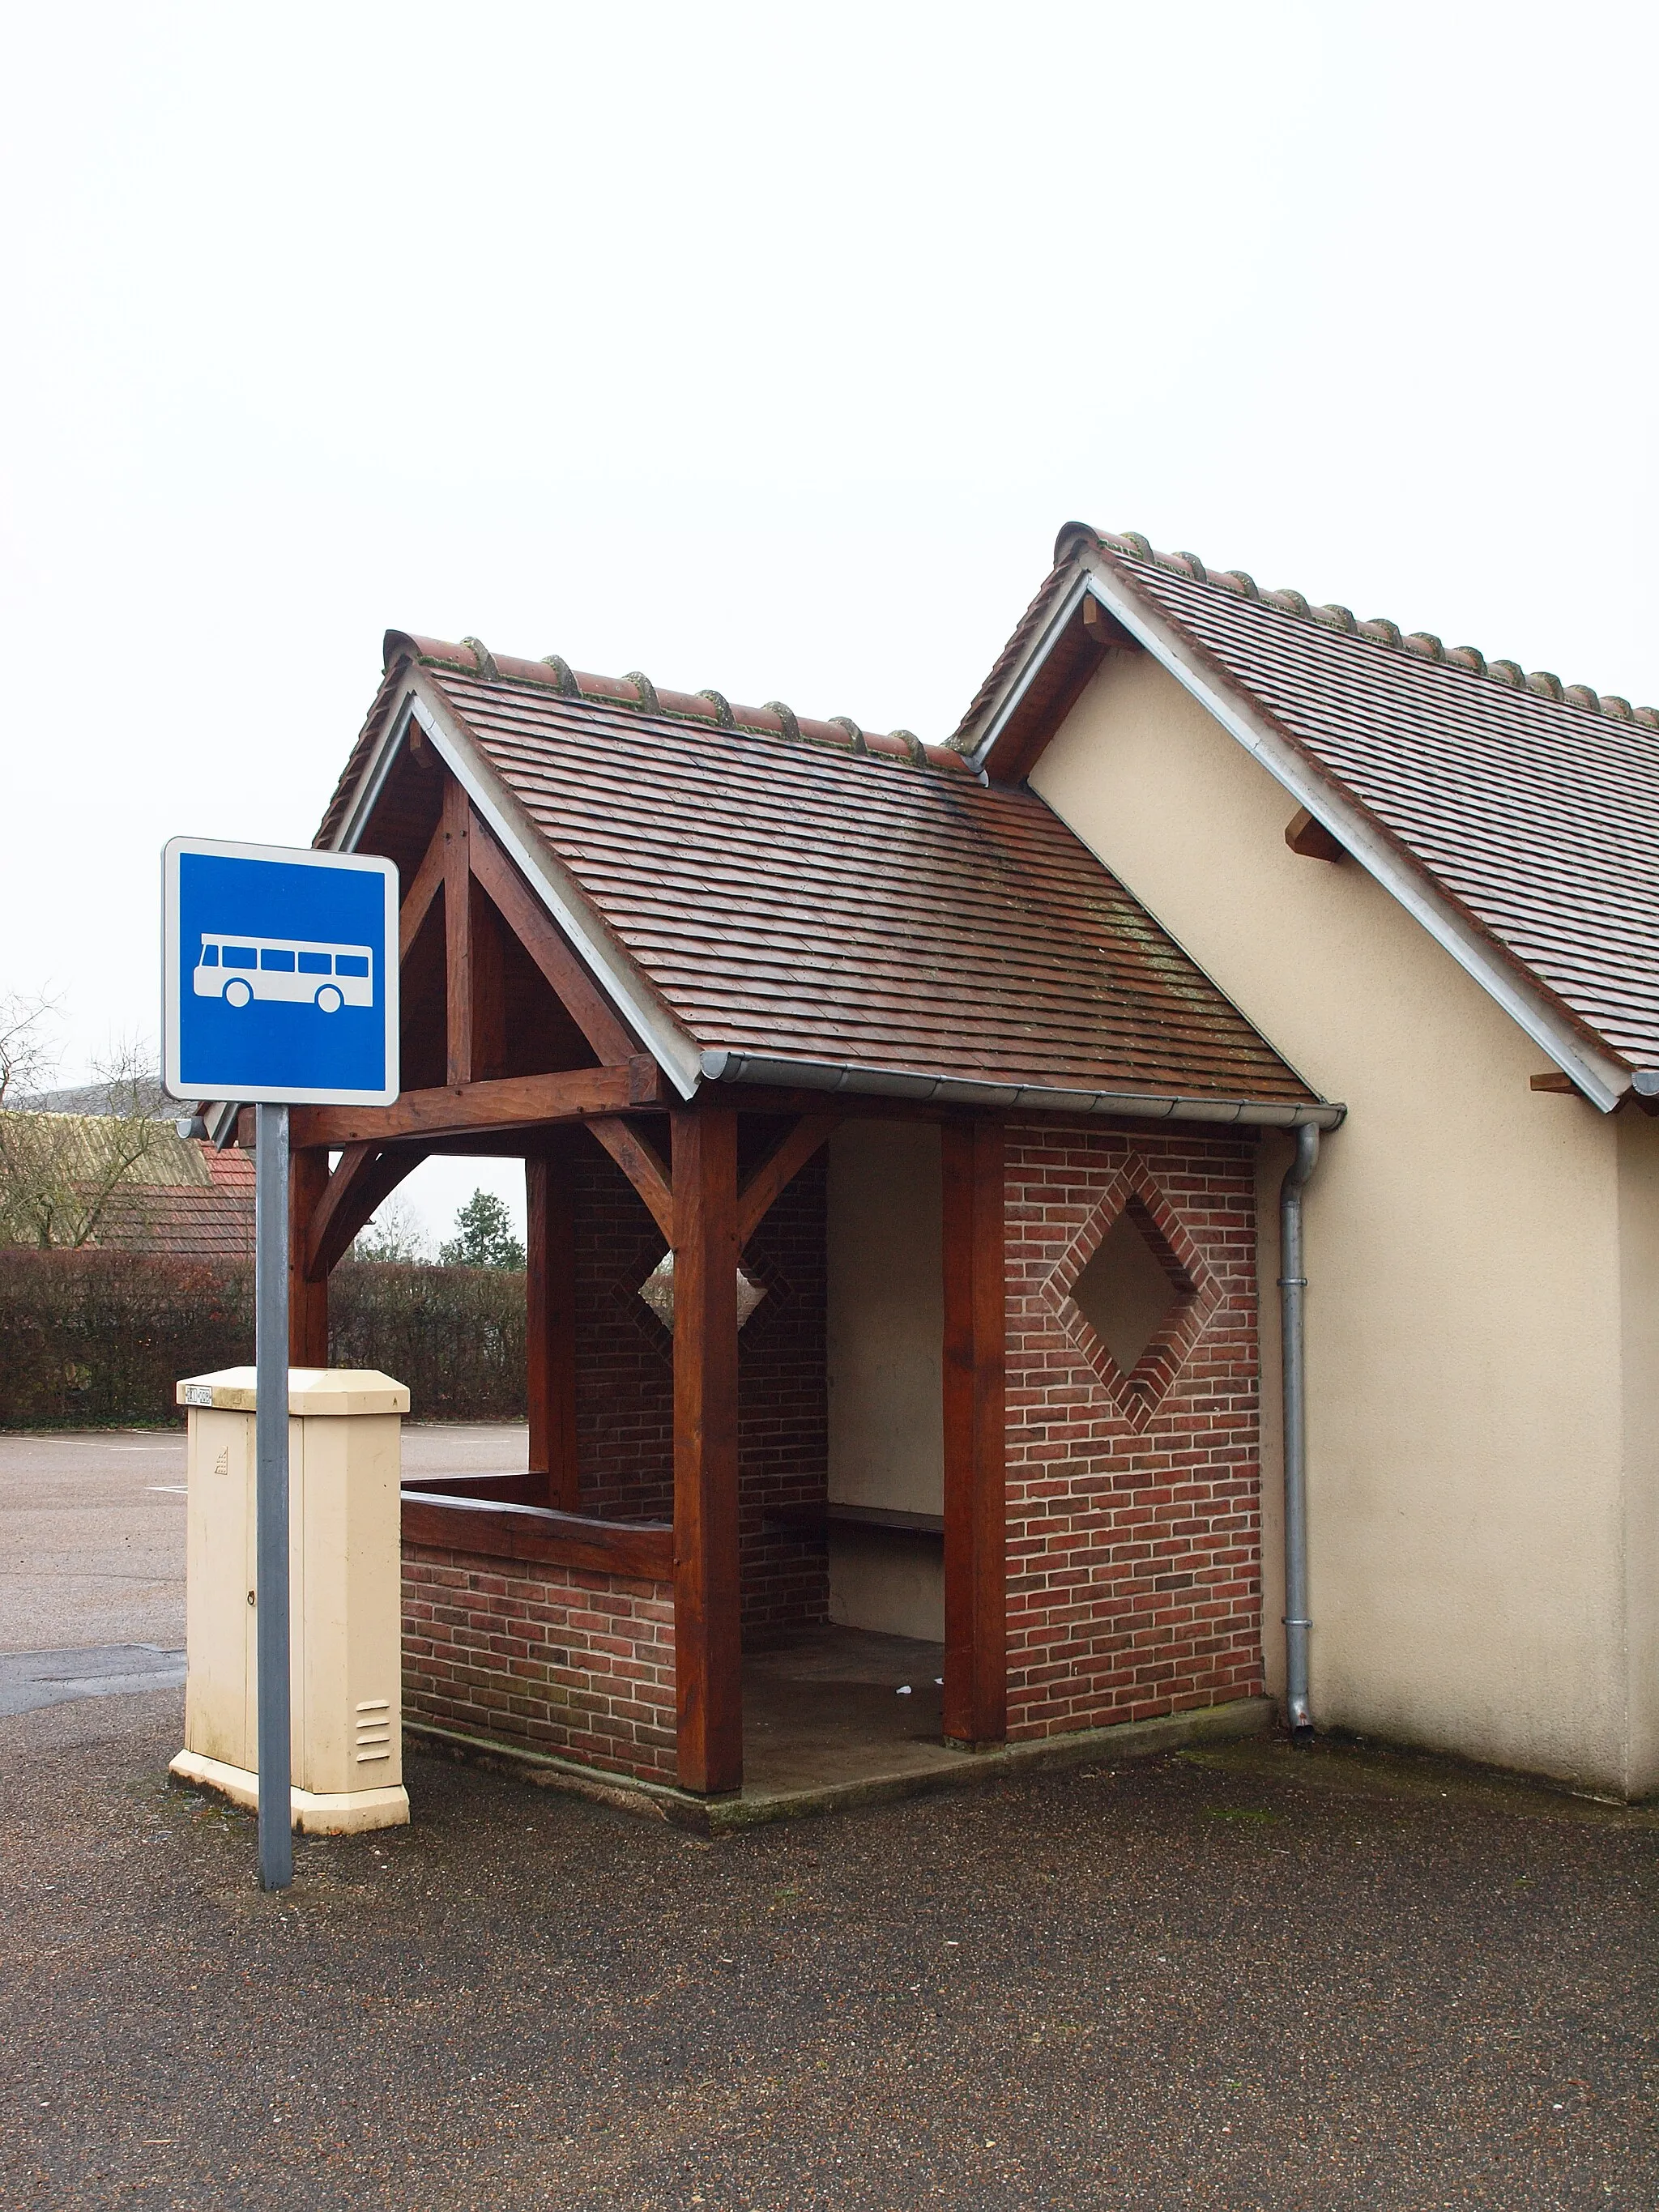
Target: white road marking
(180, 1490)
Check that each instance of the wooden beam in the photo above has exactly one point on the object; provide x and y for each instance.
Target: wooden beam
(365, 1179)
(494, 1489)
(1311, 839)
(488, 985)
(417, 899)
(550, 1328)
(1053, 691)
(355, 1167)
(975, 1511)
(457, 931)
(1553, 1079)
(531, 923)
(307, 1299)
(707, 1652)
(778, 1169)
(515, 1101)
(642, 1550)
(635, 1156)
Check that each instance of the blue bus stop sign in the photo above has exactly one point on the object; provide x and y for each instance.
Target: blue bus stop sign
(280, 975)
(279, 989)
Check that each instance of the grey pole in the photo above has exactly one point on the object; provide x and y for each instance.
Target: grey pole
(270, 1462)
(1292, 1284)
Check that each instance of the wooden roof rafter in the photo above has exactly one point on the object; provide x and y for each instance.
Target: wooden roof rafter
(640, 1162)
(482, 892)
(482, 897)
(365, 1178)
(414, 724)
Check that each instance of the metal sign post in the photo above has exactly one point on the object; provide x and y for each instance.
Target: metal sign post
(280, 988)
(270, 1492)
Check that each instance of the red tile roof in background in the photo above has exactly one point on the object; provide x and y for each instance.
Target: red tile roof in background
(801, 890)
(210, 1220)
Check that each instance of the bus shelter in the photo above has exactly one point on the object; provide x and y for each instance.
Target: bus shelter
(889, 1184)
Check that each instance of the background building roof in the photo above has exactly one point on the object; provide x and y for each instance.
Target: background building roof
(180, 1197)
(212, 1219)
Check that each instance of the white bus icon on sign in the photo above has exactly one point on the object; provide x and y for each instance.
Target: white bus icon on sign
(326, 977)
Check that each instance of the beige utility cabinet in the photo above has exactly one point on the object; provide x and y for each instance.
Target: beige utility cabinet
(345, 1620)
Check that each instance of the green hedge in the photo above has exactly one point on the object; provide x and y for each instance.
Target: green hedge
(91, 1339)
(455, 1335)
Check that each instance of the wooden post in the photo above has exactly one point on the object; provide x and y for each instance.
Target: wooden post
(308, 1302)
(976, 1513)
(551, 1327)
(707, 1644)
(458, 933)
(488, 987)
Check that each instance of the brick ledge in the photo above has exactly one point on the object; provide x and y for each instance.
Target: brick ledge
(661, 1800)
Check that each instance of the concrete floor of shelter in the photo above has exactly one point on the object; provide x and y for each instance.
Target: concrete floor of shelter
(826, 1708)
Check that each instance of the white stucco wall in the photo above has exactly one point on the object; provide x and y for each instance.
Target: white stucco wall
(1639, 1218)
(886, 1328)
(1470, 1328)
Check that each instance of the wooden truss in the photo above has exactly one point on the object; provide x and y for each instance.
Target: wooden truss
(689, 1183)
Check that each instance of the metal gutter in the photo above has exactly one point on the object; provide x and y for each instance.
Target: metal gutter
(723, 1065)
(219, 1120)
(1598, 1077)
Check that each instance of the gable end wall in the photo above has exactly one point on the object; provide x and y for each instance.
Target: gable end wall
(1476, 1475)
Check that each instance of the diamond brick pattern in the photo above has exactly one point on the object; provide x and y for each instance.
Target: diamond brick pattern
(1134, 1569)
(1138, 1395)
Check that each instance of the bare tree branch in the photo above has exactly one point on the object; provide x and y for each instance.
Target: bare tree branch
(59, 1171)
(26, 1057)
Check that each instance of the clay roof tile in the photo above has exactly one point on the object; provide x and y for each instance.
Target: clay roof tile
(1533, 805)
(802, 890)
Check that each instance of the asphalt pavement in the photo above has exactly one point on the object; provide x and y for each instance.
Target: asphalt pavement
(91, 1550)
(1250, 1979)
(92, 1540)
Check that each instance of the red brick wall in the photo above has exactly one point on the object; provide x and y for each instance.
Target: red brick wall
(625, 1383)
(581, 1664)
(783, 1415)
(624, 1371)
(1133, 1529)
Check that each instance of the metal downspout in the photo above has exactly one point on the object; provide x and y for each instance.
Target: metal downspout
(1292, 1282)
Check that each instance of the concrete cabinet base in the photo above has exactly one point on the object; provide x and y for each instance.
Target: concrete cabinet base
(345, 1629)
(342, 1812)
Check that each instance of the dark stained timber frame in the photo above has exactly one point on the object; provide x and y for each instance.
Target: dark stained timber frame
(707, 1651)
(975, 1511)
(691, 1186)
(307, 1294)
(643, 1549)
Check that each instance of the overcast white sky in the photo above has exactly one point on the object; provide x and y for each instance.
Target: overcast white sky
(765, 348)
